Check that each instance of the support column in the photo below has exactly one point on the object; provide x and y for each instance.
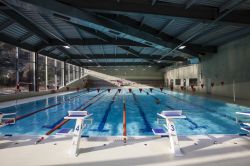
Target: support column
(62, 73)
(79, 72)
(36, 73)
(17, 69)
(55, 66)
(34, 70)
(69, 73)
(74, 72)
(46, 72)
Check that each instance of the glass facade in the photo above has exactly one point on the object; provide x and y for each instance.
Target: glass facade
(17, 66)
(8, 68)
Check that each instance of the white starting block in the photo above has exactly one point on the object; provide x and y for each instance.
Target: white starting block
(7, 121)
(79, 116)
(244, 125)
(168, 116)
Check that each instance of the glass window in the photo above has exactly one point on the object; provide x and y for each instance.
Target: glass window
(41, 73)
(177, 81)
(25, 68)
(51, 73)
(193, 81)
(7, 68)
(59, 73)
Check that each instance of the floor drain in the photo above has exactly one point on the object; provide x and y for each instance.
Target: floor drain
(145, 144)
(235, 142)
(104, 144)
(195, 144)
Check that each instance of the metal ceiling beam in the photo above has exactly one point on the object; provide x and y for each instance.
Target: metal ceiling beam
(106, 38)
(229, 4)
(223, 39)
(26, 23)
(16, 42)
(205, 28)
(124, 64)
(25, 37)
(94, 41)
(126, 56)
(76, 16)
(172, 42)
(198, 12)
(6, 24)
(190, 3)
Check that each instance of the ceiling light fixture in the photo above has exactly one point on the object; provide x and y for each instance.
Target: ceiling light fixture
(90, 60)
(182, 47)
(149, 66)
(66, 47)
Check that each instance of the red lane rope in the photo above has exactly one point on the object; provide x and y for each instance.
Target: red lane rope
(124, 122)
(66, 120)
(29, 114)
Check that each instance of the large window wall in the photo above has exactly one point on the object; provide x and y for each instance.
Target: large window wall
(8, 68)
(18, 66)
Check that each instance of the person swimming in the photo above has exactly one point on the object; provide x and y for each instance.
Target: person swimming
(157, 101)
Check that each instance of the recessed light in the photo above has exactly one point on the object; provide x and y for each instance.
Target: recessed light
(131, 69)
(66, 47)
(90, 60)
(149, 66)
(182, 47)
(99, 66)
(158, 61)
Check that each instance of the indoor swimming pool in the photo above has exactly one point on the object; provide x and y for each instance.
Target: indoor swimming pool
(204, 116)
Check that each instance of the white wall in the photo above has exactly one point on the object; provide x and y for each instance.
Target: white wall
(140, 74)
(230, 64)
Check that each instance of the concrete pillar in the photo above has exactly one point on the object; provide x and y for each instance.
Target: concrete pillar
(62, 73)
(46, 72)
(55, 73)
(17, 68)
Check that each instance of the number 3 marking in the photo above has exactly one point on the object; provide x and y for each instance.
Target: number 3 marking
(172, 128)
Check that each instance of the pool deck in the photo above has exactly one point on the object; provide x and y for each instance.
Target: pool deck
(205, 150)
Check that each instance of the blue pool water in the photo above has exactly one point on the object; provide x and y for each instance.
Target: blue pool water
(204, 116)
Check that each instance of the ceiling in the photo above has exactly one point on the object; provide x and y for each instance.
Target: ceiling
(123, 32)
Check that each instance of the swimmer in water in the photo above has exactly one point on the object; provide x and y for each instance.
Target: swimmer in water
(157, 101)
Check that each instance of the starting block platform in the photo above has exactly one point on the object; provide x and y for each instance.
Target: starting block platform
(243, 125)
(170, 126)
(79, 116)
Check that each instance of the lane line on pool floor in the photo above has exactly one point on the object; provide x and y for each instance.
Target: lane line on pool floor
(199, 106)
(142, 113)
(107, 111)
(51, 106)
(66, 120)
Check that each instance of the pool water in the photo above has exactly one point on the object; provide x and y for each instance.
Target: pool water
(204, 115)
